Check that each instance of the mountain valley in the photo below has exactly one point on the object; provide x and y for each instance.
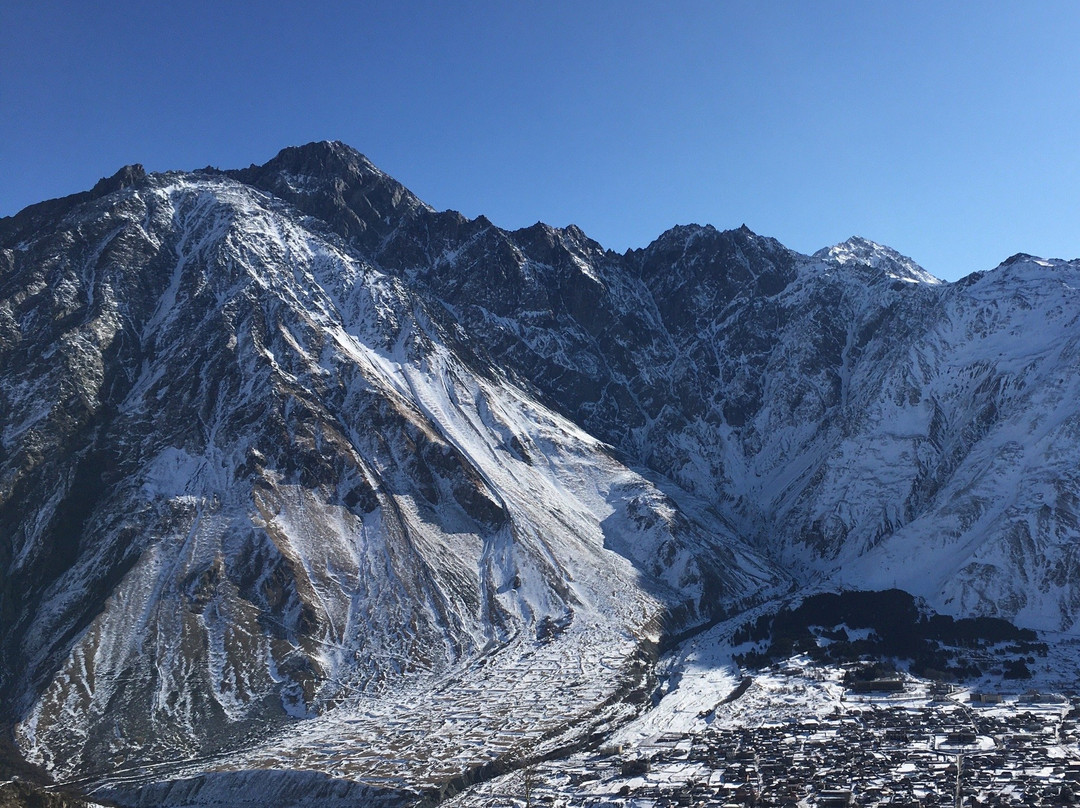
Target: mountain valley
(311, 494)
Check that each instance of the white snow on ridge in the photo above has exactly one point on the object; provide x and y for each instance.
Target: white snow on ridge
(861, 251)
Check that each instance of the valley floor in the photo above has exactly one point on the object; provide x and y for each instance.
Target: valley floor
(699, 730)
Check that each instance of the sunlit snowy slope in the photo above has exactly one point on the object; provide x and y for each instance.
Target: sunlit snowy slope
(292, 465)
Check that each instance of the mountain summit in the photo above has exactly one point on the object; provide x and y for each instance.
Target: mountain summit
(294, 466)
(338, 185)
(860, 251)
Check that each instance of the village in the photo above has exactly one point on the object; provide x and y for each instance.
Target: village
(1020, 750)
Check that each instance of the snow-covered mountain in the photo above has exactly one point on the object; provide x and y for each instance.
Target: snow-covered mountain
(292, 463)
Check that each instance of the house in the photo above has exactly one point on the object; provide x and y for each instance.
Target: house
(877, 686)
(835, 798)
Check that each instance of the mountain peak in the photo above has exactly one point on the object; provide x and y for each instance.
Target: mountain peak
(322, 157)
(332, 181)
(1035, 260)
(859, 250)
(124, 178)
(13, 228)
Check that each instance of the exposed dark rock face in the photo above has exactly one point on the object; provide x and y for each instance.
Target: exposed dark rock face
(338, 186)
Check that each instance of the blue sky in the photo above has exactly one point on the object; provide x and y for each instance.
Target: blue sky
(946, 130)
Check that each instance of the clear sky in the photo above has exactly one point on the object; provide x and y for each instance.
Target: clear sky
(947, 130)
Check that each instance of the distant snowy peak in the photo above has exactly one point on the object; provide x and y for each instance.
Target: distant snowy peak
(858, 250)
(1034, 266)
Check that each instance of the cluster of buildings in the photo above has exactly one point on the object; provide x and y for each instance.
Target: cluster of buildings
(940, 752)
